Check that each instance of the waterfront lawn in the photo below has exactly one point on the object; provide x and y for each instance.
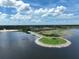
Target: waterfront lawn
(52, 40)
(55, 33)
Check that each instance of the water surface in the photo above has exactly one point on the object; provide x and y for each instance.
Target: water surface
(19, 45)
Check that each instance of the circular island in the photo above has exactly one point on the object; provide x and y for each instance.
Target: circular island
(49, 41)
(56, 42)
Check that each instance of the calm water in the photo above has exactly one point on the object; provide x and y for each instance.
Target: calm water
(19, 45)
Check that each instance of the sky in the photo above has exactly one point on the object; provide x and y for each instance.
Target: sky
(29, 12)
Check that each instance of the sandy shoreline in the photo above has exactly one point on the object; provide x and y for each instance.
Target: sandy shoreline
(47, 45)
(50, 46)
(7, 30)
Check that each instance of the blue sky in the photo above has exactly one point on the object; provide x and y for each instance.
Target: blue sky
(23, 12)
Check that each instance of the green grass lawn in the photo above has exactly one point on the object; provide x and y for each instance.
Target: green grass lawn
(55, 33)
(52, 40)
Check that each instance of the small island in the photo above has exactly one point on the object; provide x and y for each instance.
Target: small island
(55, 42)
(51, 39)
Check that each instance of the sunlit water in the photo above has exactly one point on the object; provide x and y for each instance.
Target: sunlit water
(19, 45)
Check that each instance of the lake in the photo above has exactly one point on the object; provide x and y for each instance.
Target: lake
(19, 45)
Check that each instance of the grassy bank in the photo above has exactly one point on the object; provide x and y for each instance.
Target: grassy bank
(52, 40)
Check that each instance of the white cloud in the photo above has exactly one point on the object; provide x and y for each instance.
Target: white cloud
(66, 16)
(55, 11)
(18, 4)
(7, 3)
(3, 16)
(41, 11)
(34, 14)
(0, 13)
(36, 21)
(51, 10)
(37, 15)
(18, 16)
(59, 10)
(21, 6)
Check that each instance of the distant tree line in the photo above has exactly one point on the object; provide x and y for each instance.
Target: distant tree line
(26, 28)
